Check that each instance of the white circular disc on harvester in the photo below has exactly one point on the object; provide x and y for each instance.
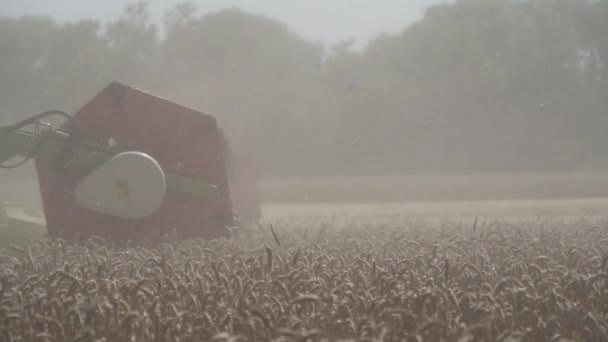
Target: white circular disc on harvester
(131, 185)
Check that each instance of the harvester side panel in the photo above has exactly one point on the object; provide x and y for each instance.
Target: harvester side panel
(184, 141)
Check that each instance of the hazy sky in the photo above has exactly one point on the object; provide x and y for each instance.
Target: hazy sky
(327, 21)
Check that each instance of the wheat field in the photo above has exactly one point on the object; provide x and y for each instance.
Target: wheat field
(469, 270)
(499, 281)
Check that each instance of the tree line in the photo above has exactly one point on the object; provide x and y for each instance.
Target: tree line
(473, 86)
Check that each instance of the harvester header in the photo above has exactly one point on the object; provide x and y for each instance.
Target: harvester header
(130, 166)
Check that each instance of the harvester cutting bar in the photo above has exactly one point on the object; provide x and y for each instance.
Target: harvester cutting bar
(52, 145)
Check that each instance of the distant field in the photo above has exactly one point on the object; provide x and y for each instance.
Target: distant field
(414, 188)
(410, 197)
(453, 197)
(436, 188)
(563, 210)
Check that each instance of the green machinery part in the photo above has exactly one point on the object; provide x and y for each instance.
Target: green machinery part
(50, 144)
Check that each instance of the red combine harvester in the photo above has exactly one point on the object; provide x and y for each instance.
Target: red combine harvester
(133, 166)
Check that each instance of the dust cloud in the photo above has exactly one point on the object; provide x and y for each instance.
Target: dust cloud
(470, 100)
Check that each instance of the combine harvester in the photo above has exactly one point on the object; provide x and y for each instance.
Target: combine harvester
(133, 166)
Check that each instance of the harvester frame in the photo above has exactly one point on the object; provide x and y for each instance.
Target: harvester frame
(160, 169)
